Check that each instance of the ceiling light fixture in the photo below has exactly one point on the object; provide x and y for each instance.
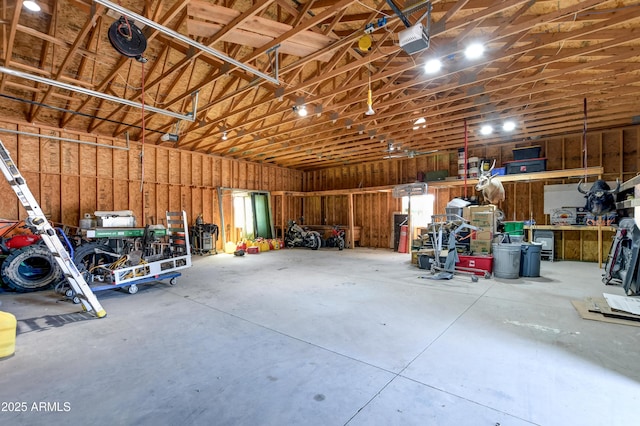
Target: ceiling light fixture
(31, 5)
(508, 126)
(486, 129)
(224, 136)
(301, 110)
(432, 66)
(474, 51)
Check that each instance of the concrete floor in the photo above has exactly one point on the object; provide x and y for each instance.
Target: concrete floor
(301, 337)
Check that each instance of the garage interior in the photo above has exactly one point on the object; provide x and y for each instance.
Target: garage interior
(248, 115)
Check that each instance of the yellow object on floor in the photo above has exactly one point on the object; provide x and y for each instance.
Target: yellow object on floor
(8, 326)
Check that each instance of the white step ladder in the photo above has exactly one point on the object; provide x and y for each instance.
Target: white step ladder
(39, 224)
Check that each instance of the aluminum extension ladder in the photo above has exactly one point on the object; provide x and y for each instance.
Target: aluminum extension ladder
(39, 224)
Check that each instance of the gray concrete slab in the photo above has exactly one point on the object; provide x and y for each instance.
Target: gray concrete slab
(324, 337)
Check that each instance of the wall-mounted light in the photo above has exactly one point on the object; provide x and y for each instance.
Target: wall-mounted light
(224, 136)
(31, 5)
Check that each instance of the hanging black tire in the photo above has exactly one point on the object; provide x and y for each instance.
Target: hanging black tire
(31, 268)
(92, 254)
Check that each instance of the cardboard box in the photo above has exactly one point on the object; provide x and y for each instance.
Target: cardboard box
(481, 246)
(482, 216)
(482, 219)
(482, 235)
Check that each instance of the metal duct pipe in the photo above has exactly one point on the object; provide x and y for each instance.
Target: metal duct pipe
(185, 39)
(89, 92)
(18, 132)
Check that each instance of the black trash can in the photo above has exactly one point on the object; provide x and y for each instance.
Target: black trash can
(530, 260)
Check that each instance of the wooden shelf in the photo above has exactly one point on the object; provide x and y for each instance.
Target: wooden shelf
(526, 177)
(628, 204)
(630, 184)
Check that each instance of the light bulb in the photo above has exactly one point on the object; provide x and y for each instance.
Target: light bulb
(486, 129)
(432, 66)
(31, 5)
(474, 51)
(224, 136)
(508, 126)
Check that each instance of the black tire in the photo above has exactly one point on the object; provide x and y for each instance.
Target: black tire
(31, 268)
(340, 243)
(317, 242)
(89, 255)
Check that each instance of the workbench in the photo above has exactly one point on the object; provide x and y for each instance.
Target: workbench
(579, 228)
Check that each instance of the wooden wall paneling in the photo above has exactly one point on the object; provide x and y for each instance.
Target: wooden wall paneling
(136, 201)
(572, 245)
(207, 208)
(216, 172)
(197, 169)
(493, 152)
(185, 168)
(149, 198)
(594, 149)
(88, 161)
(173, 167)
(537, 201)
(50, 177)
(521, 206)
(50, 154)
(70, 201)
(120, 194)
(162, 202)
(104, 161)
(241, 176)
(162, 165)
(186, 200)
(278, 179)
(104, 195)
(207, 173)
(589, 249)
(88, 197)
(554, 154)
(381, 223)
(134, 164)
(175, 201)
(225, 173)
(573, 152)
(50, 200)
(70, 158)
(506, 152)
(630, 154)
(235, 181)
(197, 203)
(380, 178)
(27, 155)
(611, 158)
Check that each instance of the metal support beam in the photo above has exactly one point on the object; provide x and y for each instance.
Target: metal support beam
(187, 40)
(89, 92)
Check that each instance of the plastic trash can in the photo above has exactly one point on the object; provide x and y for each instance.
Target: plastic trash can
(530, 255)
